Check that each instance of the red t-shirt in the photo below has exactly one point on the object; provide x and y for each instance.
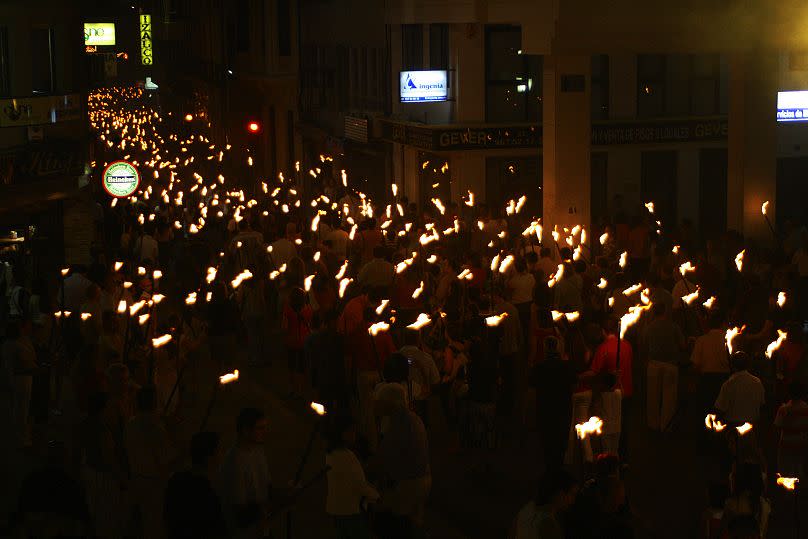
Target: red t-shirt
(298, 326)
(605, 359)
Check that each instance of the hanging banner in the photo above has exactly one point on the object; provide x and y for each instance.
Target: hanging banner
(120, 179)
(146, 51)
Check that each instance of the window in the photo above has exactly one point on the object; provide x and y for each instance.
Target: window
(5, 80)
(412, 47)
(243, 26)
(42, 61)
(678, 84)
(284, 28)
(705, 77)
(600, 87)
(651, 90)
(439, 46)
(512, 79)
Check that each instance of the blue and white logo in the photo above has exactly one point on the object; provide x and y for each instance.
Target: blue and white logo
(418, 86)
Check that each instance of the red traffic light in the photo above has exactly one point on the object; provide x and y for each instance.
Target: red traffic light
(253, 127)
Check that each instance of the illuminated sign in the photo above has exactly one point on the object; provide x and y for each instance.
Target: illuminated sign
(792, 106)
(418, 86)
(99, 33)
(146, 51)
(120, 179)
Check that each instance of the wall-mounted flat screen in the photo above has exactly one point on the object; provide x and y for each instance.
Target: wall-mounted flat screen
(792, 106)
(418, 86)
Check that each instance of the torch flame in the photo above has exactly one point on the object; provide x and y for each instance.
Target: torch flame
(160, 341)
(781, 299)
(788, 483)
(378, 327)
(494, 321)
(422, 321)
(764, 208)
(603, 283)
(709, 303)
(730, 335)
(743, 429)
(382, 306)
(773, 346)
(229, 377)
(623, 259)
(318, 408)
(712, 423)
(418, 291)
(739, 260)
(589, 428)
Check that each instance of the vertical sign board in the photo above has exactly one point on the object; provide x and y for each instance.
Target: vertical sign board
(146, 52)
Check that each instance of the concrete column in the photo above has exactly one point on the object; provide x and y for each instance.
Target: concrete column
(752, 141)
(566, 141)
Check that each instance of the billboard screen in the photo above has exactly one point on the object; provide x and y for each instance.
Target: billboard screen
(417, 86)
(99, 33)
(792, 106)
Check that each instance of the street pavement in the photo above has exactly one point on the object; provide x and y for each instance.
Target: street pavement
(475, 494)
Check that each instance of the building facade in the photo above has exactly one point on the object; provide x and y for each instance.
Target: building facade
(45, 148)
(587, 108)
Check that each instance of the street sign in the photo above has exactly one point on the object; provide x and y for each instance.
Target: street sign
(146, 51)
(120, 179)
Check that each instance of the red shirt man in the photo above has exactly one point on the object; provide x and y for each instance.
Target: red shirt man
(605, 359)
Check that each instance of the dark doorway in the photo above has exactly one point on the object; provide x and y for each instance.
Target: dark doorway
(659, 185)
(509, 178)
(792, 190)
(599, 189)
(712, 192)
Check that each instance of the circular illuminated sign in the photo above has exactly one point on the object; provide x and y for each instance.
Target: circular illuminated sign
(120, 179)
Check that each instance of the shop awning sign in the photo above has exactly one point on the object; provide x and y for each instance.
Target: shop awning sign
(120, 179)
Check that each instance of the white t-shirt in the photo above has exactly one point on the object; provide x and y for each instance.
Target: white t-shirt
(339, 242)
(244, 478)
(283, 251)
(347, 485)
(741, 397)
(146, 248)
(521, 285)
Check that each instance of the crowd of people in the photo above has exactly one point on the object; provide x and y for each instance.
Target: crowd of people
(486, 330)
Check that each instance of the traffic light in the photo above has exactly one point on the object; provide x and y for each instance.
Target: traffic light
(253, 127)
